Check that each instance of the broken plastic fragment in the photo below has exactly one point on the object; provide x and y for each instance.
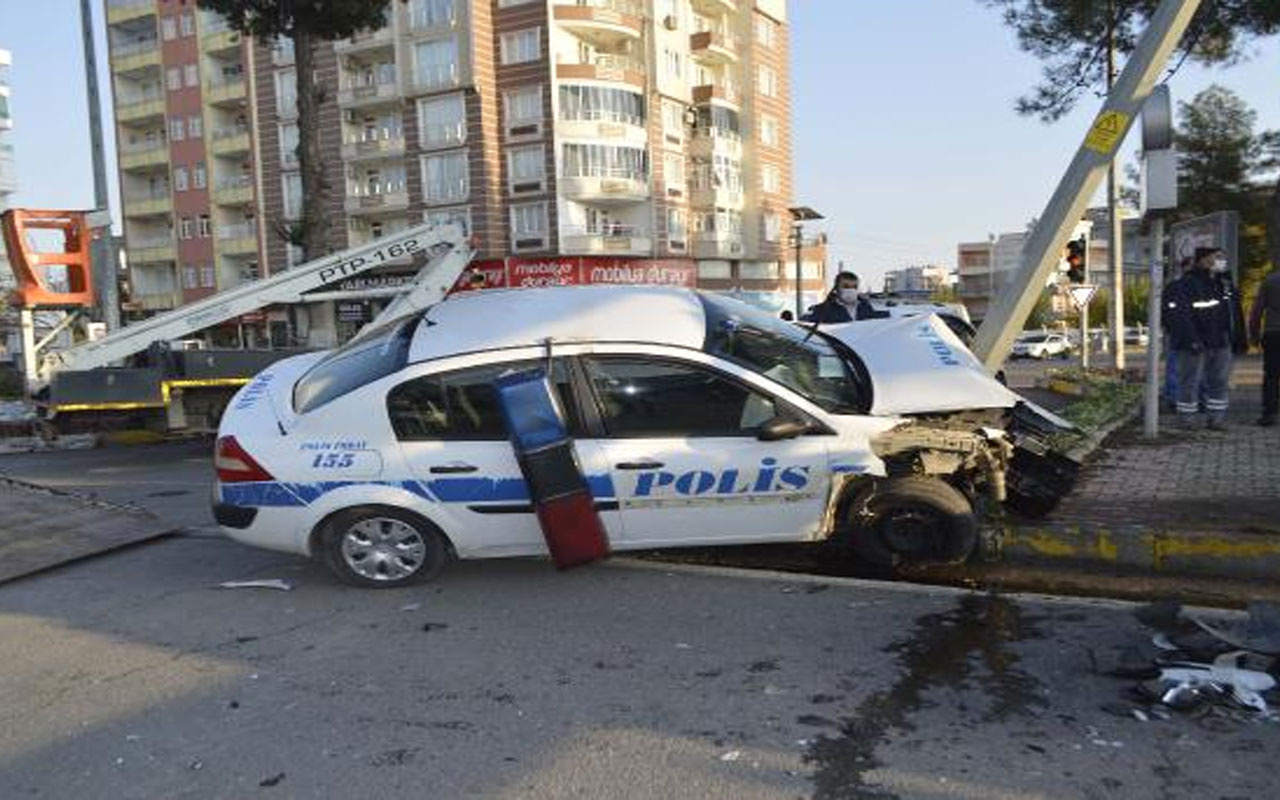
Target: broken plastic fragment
(732, 755)
(265, 583)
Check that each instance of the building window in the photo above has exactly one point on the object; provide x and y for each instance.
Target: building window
(190, 277)
(177, 130)
(179, 179)
(188, 24)
(199, 177)
(519, 47)
(772, 226)
(673, 174)
(766, 31)
(432, 13)
(768, 130)
(184, 228)
(442, 121)
(289, 144)
(510, 3)
(673, 121)
(287, 93)
(605, 161)
(771, 178)
(203, 227)
(435, 63)
(168, 28)
(677, 236)
(528, 226)
(191, 75)
(526, 168)
(195, 127)
(173, 78)
(441, 216)
(208, 278)
(522, 109)
(767, 81)
(671, 62)
(292, 183)
(445, 178)
(601, 104)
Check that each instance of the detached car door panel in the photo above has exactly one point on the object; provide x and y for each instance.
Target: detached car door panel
(681, 442)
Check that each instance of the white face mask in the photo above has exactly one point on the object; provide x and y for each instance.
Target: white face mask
(848, 296)
(1218, 264)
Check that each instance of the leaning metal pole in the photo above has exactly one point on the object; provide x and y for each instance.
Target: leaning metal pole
(1081, 180)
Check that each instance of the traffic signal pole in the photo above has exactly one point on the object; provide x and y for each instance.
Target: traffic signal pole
(1066, 206)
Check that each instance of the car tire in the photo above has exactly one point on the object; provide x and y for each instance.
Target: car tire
(380, 547)
(913, 519)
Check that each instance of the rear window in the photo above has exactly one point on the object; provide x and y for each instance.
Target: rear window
(357, 363)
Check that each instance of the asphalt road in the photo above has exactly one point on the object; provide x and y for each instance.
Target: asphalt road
(132, 676)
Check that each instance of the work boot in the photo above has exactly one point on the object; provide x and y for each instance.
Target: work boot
(1217, 424)
(1267, 421)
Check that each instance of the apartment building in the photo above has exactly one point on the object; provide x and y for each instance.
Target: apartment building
(918, 282)
(577, 141)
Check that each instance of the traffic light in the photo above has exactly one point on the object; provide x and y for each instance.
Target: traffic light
(1077, 259)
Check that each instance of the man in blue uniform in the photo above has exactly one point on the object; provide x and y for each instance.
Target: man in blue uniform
(1202, 312)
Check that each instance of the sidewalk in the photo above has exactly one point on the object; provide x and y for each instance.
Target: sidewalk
(1189, 502)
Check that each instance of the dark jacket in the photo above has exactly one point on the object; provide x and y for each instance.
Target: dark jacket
(1203, 312)
(831, 310)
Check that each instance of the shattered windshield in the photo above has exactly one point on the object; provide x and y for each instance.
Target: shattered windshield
(803, 362)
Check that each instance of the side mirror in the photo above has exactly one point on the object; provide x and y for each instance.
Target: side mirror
(781, 427)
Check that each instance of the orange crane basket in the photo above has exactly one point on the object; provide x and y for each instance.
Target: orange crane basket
(30, 266)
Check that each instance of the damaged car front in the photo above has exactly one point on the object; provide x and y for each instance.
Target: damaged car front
(962, 448)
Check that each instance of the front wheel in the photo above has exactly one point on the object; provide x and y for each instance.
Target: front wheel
(913, 520)
(382, 547)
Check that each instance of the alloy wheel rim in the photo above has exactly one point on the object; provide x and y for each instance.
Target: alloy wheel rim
(383, 549)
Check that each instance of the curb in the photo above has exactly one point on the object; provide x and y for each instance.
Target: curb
(1204, 554)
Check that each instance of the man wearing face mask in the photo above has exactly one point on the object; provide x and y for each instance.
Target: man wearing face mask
(844, 303)
(1205, 324)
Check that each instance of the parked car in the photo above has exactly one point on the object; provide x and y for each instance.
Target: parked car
(697, 419)
(1136, 336)
(1041, 345)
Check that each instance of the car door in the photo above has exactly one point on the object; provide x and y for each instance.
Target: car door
(681, 442)
(452, 434)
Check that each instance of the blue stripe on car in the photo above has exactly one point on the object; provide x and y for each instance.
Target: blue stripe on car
(444, 490)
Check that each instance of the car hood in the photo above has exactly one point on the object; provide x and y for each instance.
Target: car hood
(918, 366)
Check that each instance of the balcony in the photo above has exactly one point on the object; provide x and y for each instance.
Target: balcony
(602, 23)
(145, 251)
(618, 69)
(607, 187)
(135, 55)
(221, 40)
(711, 47)
(238, 239)
(715, 244)
(356, 95)
(235, 190)
(384, 143)
(144, 155)
(716, 196)
(714, 8)
(612, 240)
(723, 92)
(377, 197)
(141, 107)
(231, 141)
(225, 90)
(364, 42)
(125, 10)
(709, 142)
(147, 204)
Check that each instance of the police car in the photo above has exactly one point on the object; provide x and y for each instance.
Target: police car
(698, 420)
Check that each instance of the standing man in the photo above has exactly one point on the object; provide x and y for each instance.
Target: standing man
(844, 303)
(1199, 309)
(1267, 305)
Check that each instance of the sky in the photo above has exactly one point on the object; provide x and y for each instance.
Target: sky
(905, 135)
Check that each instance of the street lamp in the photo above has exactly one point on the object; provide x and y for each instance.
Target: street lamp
(800, 215)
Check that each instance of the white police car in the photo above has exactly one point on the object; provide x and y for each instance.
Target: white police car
(698, 420)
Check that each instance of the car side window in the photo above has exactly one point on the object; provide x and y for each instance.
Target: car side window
(463, 404)
(647, 398)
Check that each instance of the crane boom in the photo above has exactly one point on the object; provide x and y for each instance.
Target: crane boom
(445, 247)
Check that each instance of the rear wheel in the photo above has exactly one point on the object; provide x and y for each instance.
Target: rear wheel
(382, 547)
(913, 520)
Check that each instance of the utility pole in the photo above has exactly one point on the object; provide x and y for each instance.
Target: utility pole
(102, 252)
(1115, 252)
(1082, 178)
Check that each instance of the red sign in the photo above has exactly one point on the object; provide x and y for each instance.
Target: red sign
(526, 273)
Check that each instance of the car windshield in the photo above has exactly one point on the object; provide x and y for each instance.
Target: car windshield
(374, 355)
(805, 363)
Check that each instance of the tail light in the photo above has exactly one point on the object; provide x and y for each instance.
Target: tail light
(234, 465)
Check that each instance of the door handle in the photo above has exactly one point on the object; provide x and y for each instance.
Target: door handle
(452, 469)
(639, 465)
